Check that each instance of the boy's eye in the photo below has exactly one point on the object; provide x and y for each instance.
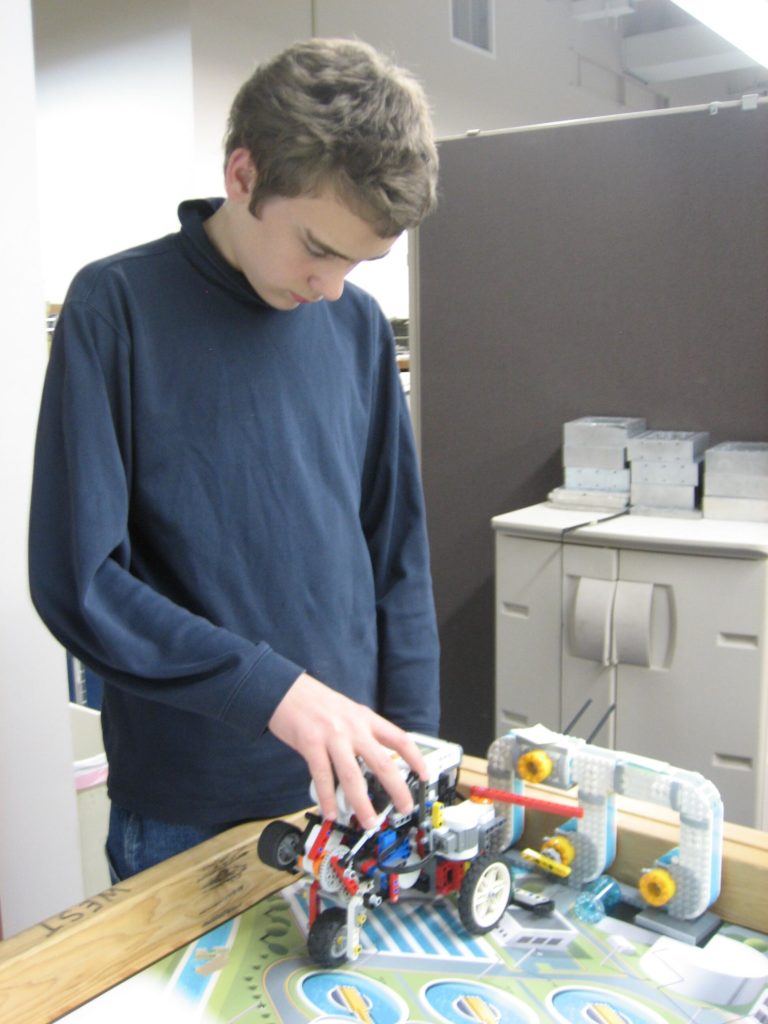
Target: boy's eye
(314, 252)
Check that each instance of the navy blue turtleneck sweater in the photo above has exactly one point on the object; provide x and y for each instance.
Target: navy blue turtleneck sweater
(226, 495)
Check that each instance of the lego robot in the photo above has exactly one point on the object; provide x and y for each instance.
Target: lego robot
(445, 845)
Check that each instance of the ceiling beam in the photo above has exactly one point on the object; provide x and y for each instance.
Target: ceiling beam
(594, 10)
(685, 52)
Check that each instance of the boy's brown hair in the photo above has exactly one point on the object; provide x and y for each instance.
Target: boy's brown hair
(337, 113)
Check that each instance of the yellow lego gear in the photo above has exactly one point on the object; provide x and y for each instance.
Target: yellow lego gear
(657, 887)
(560, 847)
(534, 766)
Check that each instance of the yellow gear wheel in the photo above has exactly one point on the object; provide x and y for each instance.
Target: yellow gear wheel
(560, 847)
(534, 766)
(657, 887)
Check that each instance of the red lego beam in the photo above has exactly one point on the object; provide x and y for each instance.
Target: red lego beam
(535, 803)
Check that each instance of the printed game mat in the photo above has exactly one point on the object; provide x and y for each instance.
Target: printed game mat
(418, 965)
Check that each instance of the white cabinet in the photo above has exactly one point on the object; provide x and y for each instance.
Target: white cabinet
(661, 620)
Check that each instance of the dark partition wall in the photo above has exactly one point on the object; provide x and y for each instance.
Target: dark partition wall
(610, 267)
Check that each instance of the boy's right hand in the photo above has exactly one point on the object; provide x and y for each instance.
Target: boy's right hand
(331, 732)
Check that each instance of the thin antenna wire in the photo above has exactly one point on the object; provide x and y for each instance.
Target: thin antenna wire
(601, 723)
(578, 715)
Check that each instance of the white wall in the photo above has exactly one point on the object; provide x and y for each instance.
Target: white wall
(116, 130)
(39, 854)
(228, 40)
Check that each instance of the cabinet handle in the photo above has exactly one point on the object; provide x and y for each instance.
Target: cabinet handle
(591, 614)
(643, 625)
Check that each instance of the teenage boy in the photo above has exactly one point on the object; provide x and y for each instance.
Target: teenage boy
(227, 521)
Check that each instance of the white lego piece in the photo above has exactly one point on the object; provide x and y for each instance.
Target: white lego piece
(691, 869)
(725, 972)
(601, 430)
(519, 929)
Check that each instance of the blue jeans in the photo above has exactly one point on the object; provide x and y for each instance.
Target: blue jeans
(135, 843)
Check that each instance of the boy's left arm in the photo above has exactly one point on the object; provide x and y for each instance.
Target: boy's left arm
(394, 519)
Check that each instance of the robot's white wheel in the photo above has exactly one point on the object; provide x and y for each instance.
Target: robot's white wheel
(484, 894)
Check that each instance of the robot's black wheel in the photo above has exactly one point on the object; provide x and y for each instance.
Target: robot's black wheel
(327, 939)
(280, 845)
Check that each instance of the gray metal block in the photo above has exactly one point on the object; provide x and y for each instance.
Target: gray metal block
(601, 430)
(738, 457)
(695, 932)
(649, 471)
(685, 445)
(595, 456)
(609, 501)
(663, 495)
(666, 513)
(735, 485)
(751, 510)
(591, 479)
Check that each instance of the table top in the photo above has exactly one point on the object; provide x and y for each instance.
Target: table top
(62, 962)
(418, 964)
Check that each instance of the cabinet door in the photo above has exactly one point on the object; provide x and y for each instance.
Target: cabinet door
(588, 673)
(694, 630)
(528, 590)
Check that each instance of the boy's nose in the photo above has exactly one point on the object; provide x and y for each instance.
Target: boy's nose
(329, 285)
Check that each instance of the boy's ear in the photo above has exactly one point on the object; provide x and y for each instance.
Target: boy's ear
(240, 175)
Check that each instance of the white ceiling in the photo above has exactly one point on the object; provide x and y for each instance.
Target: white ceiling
(662, 43)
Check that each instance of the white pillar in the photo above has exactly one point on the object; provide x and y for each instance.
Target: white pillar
(39, 846)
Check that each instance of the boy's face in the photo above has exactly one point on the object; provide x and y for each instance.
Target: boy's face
(297, 250)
